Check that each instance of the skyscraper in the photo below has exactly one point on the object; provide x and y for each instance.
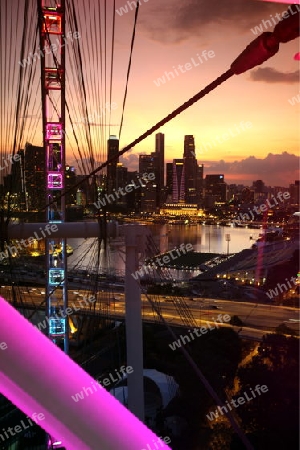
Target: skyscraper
(160, 159)
(190, 170)
(70, 179)
(294, 191)
(148, 164)
(199, 184)
(34, 162)
(169, 178)
(215, 190)
(121, 182)
(178, 181)
(112, 150)
(14, 183)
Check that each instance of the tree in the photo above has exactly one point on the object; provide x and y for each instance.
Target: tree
(272, 417)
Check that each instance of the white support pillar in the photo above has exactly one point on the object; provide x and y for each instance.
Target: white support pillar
(135, 236)
(135, 240)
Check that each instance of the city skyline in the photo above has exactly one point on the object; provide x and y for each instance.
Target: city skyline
(189, 50)
(274, 169)
(199, 220)
(186, 183)
(252, 97)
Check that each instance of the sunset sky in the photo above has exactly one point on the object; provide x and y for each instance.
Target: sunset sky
(173, 33)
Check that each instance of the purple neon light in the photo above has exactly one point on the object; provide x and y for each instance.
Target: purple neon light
(55, 181)
(39, 378)
(53, 131)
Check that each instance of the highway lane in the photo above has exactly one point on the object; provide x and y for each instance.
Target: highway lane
(258, 319)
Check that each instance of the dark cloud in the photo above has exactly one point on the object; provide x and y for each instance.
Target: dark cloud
(279, 170)
(275, 170)
(177, 20)
(130, 160)
(269, 75)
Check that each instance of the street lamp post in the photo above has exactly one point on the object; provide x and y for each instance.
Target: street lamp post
(227, 237)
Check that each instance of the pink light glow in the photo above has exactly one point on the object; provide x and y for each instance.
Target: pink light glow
(54, 131)
(38, 377)
(297, 57)
(282, 1)
(55, 181)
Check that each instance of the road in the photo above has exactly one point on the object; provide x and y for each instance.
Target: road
(258, 319)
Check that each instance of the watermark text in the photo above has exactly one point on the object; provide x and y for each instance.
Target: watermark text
(236, 403)
(117, 376)
(269, 23)
(243, 217)
(122, 191)
(132, 5)
(163, 260)
(3, 345)
(183, 68)
(185, 339)
(156, 445)
(12, 431)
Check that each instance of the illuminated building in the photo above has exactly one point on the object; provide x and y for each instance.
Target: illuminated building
(215, 190)
(190, 170)
(112, 151)
(34, 174)
(160, 166)
(178, 191)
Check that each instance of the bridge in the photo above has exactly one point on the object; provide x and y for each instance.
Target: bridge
(258, 319)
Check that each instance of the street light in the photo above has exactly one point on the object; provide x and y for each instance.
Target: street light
(227, 237)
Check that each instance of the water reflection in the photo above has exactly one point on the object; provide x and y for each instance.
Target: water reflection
(204, 238)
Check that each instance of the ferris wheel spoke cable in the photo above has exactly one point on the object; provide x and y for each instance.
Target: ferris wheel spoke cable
(84, 136)
(22, 101)
(33, 122)
(182, 108)
(201, 376)
(83, 88)
(100, 135)
(129, 65)
(79, 136)
(66, 102)
(105, 53)
(258, 51)
(112, 62)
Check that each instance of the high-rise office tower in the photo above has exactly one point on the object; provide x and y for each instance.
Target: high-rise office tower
(160, 173)
(169, 178)
(294, 192)
(34, 165)
(121, 182)
(14, 183)
(178, 192)
(122, 173)
(112, 150)
(70, 179)
(215, 189)
(199, 184)
(148, 164)
(190, 170)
